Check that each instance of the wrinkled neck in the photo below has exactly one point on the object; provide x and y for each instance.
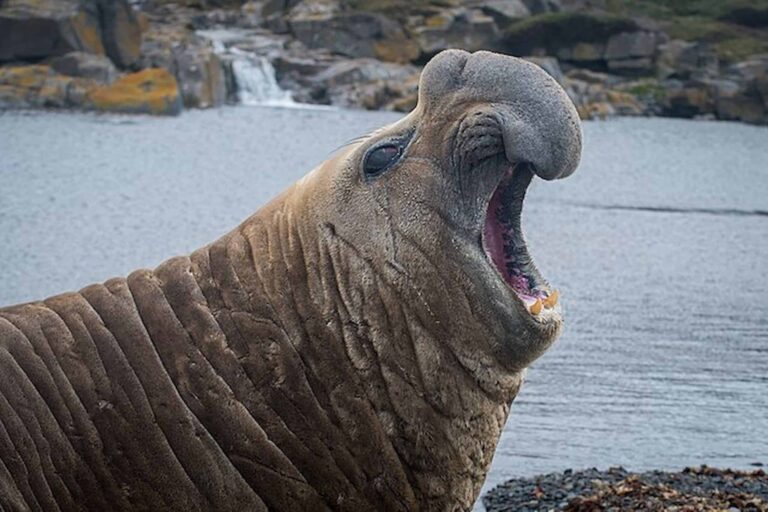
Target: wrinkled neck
(419, 414)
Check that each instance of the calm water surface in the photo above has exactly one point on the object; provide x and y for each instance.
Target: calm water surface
(659, 245)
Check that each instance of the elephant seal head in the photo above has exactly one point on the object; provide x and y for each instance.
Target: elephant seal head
(436, 199)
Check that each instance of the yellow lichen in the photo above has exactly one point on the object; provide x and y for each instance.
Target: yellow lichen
(88, 33)
(151, 91)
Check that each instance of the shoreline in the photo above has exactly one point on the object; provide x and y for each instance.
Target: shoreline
(162, 56)
(700, 488)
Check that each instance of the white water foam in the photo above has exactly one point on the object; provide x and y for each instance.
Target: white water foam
(254, 75)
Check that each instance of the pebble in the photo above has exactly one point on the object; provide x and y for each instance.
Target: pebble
(701, 489)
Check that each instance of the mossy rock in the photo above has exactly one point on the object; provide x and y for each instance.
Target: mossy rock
(151, 91)
(552, 31)
(38, 86)
(733, 43)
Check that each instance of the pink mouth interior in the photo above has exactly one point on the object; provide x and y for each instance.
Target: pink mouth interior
(498, 242)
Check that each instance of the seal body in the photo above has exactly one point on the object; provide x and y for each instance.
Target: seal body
(348, 347)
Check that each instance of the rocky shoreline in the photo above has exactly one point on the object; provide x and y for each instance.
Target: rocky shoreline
(700, 489)
(157, 56)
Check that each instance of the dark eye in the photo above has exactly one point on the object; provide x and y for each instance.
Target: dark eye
(380, 159)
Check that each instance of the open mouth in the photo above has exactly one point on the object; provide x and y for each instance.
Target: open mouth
(505, 246)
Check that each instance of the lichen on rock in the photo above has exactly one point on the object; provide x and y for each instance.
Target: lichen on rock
(151, 91)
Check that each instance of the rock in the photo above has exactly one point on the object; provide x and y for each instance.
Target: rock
(636, 66)
(558, 33)
(683, 60)
(543, 6)
(593, 77)
(468, 29)
(582, 52)
(687, 100)
(199, 72)
(631, 45)
(755, 15)
(648, 92)
(354, 34)
(503, 12)
(36, 29)
(350, 72)
(743, 94)
(120, 32)
(704, 489)
(85, 65)
(624, 104)
(151, 91)
(39, 86)
(200, 76)
(367, 83)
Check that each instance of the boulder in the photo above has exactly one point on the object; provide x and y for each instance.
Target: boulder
(35, 29)
(200, 75)
(354, 34)
(543, 6)
(120, 32)
(743, 94)
(634, 66)
(199, 71)
(750, 14)
(557, 32)
(691, 99)
(39, 86)
(151, 91)
(593, 77)
(503, 12)
(350, 72)
(736, 101)
(468, 29)
(624, 104)
(582, 52)
(85, 65)
(367, 83)
(684, 60)
(631, 45)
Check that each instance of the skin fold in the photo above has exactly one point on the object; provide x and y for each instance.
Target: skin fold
(348, 347)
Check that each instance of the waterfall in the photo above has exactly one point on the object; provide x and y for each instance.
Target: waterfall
(256, 82)
(253, 76)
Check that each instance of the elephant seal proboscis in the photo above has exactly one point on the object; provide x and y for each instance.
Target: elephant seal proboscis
(354, 345)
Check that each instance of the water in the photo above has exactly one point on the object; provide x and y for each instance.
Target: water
(658, 245)
(256, 82)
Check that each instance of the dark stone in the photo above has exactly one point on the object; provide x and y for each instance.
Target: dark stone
(354, 34)
(121, 32)
(469, 30)
(33, 30)
(85, 65)
(755, 16)
(36, 29)
(549, 33)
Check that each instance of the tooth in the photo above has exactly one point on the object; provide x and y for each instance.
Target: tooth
(551, 301)
(536, 307)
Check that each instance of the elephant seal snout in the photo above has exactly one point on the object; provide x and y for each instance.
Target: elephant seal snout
(354, 345)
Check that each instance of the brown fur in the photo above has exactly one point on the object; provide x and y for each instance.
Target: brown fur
(348, 347)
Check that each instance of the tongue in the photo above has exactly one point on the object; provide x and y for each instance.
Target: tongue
(498, 234)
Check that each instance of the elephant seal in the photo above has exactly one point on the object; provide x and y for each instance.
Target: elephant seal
(354, 345)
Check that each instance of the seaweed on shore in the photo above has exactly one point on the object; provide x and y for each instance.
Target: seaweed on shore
(702, 489)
